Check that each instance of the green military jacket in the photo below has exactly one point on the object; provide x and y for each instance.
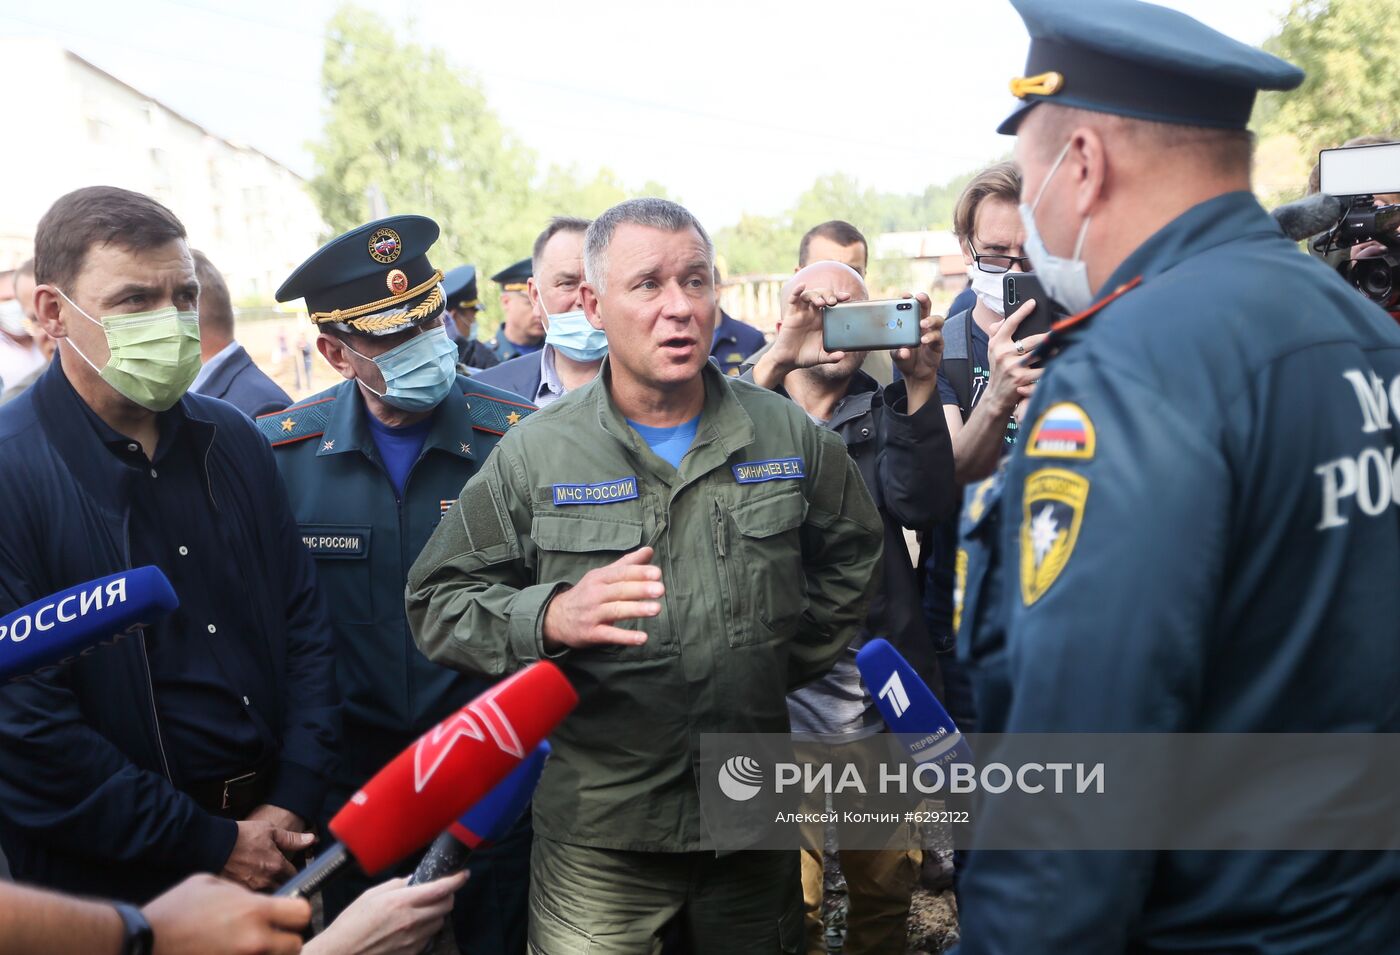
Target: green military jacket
(769, 547)
(364, 537)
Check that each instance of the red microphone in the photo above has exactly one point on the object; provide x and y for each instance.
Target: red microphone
(442, 775)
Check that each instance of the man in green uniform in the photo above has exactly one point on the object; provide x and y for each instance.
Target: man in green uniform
(688, 548)
(371, 466)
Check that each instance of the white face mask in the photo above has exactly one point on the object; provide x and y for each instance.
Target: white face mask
(12, 318)
(1065, 280)
(988, 288)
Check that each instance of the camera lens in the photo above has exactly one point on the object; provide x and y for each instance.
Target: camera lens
(905, 306)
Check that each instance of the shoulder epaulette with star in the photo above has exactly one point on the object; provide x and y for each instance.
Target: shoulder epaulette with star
(297, 423)
(492, 412)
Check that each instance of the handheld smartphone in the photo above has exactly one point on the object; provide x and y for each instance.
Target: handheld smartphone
(871, 326)
(1017, 288)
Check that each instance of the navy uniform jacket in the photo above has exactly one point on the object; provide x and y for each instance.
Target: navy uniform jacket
(734, 342)
(87, 802)
(506, 349)
(520, 376)
(245, 386)
(475, 353)
(1180, 551)
(364, 539)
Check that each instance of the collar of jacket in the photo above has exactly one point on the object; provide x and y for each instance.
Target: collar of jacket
(856, 403)
(217, 384)
(347, 429)
(724, 424)
(1204, 226)
(61, 413)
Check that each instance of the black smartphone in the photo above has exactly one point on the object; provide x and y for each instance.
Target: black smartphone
(871, 326)
(1017, 288)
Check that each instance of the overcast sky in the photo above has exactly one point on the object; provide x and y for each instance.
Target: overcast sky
(734, 106)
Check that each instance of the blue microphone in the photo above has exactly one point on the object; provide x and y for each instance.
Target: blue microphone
(61, 627)
(909, 708)
(484, 823)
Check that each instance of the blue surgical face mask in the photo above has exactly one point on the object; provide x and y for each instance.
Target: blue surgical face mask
(417, 374)
(1065, 280)
(571, 334)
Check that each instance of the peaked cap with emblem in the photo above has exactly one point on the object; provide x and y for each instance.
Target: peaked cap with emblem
(459, 285)
(512, 277)
(380, 267)
(1141, 61)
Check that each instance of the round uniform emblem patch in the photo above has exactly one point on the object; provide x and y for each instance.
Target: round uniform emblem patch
(385, 246)
(397, 282)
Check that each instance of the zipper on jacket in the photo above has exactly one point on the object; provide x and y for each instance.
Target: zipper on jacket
(720, 533)
(146, 661)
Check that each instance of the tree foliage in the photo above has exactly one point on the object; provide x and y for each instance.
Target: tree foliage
(1352, 87)
(405, 122)
(768, 244)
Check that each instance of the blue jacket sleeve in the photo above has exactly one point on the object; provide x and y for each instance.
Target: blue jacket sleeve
(1109, 606)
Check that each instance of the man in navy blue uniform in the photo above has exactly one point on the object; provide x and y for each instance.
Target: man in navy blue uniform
(521, 330)
(206, 742)
(463, 305)
(734, 340)
(372, 466)
(1189, 532)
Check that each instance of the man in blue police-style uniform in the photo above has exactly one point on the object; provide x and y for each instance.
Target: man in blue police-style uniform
(463, 305)
(372, 466)
(1187, 537)
(734, 340)
(521, 330)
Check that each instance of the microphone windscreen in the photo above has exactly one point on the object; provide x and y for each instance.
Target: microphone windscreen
(908, 706)
(1309, 216)
(61, 626)
(452, 766)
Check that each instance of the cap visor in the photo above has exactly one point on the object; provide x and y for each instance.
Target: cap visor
(1009, 125)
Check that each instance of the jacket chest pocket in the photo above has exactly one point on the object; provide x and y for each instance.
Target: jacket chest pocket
(569, 547)
(758, 544)
(343, 570)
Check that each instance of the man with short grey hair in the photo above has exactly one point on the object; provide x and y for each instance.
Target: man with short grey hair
(573, 349)
(687, 547)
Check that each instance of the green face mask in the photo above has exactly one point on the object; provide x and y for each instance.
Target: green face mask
(154, 355)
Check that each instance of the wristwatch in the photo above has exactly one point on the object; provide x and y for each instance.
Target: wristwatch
(137, 937)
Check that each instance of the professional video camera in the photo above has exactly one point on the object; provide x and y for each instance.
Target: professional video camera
(1346, 214)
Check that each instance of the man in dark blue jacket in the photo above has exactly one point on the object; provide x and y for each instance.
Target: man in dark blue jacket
(228, 372)
(1187, 538)
(205, 742)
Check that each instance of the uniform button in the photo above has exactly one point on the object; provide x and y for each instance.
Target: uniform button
(245, 702)
(153, 472)
(184, 551)
(213, 629)
(133, 446)
(865, 432)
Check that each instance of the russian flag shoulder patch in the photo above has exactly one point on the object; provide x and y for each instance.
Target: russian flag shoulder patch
(1063, 431)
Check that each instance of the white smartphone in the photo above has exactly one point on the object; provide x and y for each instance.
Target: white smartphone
(871, 326)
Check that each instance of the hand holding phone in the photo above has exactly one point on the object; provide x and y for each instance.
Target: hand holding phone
(1018, 288)
(871, 326)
